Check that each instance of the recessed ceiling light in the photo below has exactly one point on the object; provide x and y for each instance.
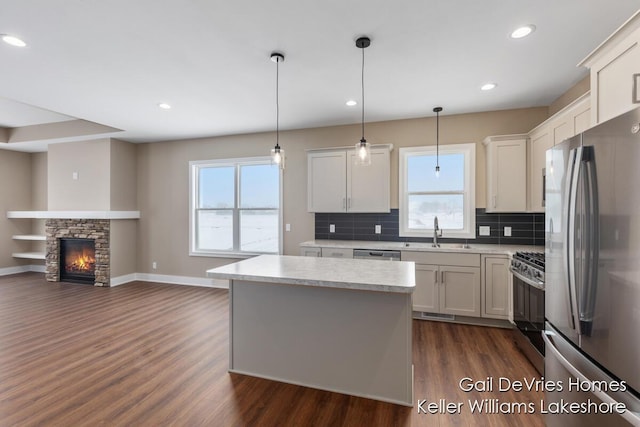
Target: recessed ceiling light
(351, 103)
(12, 40)
(523, 31)
(164, 106)
(488, 86)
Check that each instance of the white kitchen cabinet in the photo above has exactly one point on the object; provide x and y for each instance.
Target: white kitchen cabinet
(569, 121)
(447, 283)
(336, 184)
(614, 67)
(460, 291)
(506, 173)
(540, 141)
(496, 285)
(426, 297)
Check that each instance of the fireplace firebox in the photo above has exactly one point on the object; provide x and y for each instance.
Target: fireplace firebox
(78, 260)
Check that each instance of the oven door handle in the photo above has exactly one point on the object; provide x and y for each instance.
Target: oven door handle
(535, 283)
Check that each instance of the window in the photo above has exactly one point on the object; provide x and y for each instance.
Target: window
(235, 207)
(450, 197)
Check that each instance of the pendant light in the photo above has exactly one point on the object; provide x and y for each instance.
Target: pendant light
(437, 111)
(277, 153)
(363, 148)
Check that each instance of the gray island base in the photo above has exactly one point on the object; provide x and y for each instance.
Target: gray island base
(340, 325)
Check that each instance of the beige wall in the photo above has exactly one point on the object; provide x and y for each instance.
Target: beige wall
(123, 247)
(580, 88)
(15, 194)
(123, 176)
(91, 160)
(106, 175)
(163, 176)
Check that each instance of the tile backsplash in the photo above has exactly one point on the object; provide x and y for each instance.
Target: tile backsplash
(526, 228)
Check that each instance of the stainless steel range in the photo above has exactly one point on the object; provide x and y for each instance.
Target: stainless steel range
(528, 304)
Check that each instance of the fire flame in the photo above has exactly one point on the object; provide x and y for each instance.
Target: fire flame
(80, 262)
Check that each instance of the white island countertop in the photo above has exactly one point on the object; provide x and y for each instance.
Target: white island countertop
(368, 275)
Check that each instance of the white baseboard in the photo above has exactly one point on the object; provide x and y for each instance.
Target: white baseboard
(21, 269)
(121, 280)
(143, 277)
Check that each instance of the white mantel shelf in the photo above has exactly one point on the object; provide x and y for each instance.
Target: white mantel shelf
(74, 214)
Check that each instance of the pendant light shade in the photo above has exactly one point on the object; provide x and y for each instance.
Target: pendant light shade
(363, 148)
(437, 111)
(277, 153)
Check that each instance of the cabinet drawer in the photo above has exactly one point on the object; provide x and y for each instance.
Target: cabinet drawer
(442, 258)
(337, 253)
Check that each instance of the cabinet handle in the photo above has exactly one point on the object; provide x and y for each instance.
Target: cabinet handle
(442, 277)
(349, 202)
(636, 89)
(495, 201)
(344, 203)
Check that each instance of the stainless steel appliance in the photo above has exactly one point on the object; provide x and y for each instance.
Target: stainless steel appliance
(592, 275)
(528, 305)
(384, 255)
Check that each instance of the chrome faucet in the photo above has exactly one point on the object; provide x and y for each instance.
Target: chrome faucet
(435, 233)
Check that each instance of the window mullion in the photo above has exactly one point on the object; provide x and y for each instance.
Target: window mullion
(236, 212)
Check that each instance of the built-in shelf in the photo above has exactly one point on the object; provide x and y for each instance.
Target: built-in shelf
(29, 255)
(36, 237)
(74, 214)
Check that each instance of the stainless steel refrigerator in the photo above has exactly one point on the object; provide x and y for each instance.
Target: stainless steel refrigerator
(592, 277)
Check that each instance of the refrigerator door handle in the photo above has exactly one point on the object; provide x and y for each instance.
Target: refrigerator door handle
(632, 417)
(591, 240)
(573, 178)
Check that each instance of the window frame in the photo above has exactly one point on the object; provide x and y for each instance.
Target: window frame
(469, 199)
(194, 186)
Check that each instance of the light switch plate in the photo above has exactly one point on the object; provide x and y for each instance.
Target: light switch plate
(287, 227)
(74, 175)
(484, 230)
(507, 231)
(378, 229)
(332, 228)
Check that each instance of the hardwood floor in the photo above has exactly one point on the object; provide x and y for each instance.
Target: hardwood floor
(147, 354)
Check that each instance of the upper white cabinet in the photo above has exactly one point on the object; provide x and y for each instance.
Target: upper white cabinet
(336, 184)
(569, 121)
(615, 69)
(506, 173)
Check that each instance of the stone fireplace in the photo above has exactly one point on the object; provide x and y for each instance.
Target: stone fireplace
(97, 231)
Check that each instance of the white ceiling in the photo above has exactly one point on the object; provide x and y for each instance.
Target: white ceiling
(111, 62)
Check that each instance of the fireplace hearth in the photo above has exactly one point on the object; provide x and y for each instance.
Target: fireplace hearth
(78, 260)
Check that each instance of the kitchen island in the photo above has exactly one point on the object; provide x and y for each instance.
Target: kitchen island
(340, 325)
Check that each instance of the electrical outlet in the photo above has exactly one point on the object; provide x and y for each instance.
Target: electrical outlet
(154, 265)
(484, 230)
(287, 227)
(332, 228)
(507, 231)
(74, 175)
(378, 229)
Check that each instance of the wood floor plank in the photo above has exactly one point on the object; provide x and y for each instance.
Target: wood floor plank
(148, 354)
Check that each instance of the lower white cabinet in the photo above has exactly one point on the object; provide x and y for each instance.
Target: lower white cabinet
(446, 289)
(426, 296)
(496, 286)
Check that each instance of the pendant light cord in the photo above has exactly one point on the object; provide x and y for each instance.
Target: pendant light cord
(438, 138)
(362, 81)
(277, 103)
